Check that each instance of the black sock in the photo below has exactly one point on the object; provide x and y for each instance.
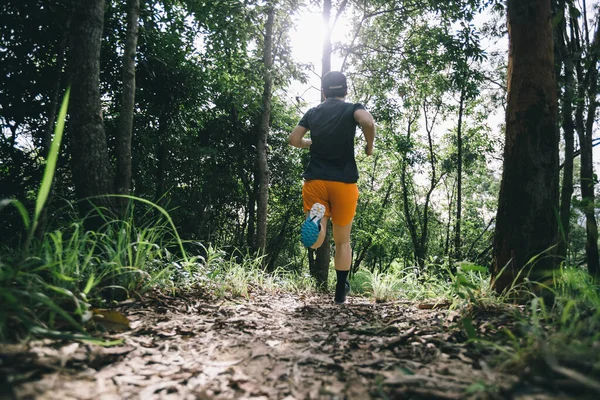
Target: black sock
(342, 276)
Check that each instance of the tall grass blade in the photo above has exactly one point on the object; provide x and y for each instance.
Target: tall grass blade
(163, 212)
(20, 207)
(42, 298)
(52, 159)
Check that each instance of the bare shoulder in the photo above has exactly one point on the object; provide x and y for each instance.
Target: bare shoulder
(362, 115)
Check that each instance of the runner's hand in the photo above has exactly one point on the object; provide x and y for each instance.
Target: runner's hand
(369, 149)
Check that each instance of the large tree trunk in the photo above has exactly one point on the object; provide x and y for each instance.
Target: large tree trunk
(87, 139)
(263, 134)
(526, 224)
(123, 142)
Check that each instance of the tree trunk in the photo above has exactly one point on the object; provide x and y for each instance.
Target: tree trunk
(327, 46)
(568, 132)
(587, 76)
(319, 265)
(162, 155)
(253, 189)
(123, 140)
(363, 251)
(263, 134)
(87, 138)
(449, 223)
(588, 199)
(433, 182)
(410, 222)
(278, 241)
(457, 244)
(526, 224)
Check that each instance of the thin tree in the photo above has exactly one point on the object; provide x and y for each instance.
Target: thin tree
(587, 77)
(565, 60)
(263, 135)
(459, 175)
(318, 261)
(123, 139)
(526, 223)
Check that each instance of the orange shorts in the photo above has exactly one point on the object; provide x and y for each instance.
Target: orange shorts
(339, 199)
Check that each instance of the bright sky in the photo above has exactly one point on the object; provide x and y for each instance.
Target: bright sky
(307, 43)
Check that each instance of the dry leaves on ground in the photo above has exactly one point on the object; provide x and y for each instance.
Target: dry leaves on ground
(268, 347)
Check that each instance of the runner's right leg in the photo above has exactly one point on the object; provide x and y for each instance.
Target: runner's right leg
(316, 209)
(316, 202)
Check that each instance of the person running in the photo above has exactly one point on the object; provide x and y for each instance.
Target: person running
(330, 178)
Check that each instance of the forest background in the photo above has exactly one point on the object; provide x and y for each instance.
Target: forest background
(180, 111)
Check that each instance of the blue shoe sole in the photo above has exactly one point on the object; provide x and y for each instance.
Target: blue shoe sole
(309, 233)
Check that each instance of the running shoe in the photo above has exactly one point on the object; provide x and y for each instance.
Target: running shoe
(341, 291)
(309, 231)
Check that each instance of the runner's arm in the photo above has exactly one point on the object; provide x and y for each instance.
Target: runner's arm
(296, 138)
(367, 124)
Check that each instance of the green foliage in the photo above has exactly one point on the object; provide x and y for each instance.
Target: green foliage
(380, 287)
(71, 270)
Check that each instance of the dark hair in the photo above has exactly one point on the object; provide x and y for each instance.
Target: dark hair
(334, 84)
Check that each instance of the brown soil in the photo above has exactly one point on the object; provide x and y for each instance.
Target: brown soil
(270, 346)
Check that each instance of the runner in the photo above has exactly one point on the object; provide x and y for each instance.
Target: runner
(330, 188)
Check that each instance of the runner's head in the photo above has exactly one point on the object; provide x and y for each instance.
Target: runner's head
(334, 84)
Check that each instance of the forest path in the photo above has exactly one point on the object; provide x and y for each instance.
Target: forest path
(271, 346)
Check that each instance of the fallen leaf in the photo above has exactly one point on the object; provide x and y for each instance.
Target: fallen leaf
(111, 320)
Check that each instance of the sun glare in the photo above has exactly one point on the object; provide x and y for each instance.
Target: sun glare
(307, 47)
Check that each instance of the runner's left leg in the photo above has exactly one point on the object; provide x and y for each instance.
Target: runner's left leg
(342, 260)
(343, 249)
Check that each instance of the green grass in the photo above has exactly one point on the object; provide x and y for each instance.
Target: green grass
(378, 286)
(240, 276)
(53, 285)
(72, 270)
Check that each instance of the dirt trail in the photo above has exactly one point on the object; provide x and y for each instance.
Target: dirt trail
(279, 346)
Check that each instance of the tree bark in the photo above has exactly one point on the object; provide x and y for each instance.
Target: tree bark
(327, 46)
(365, 248)
(526, 223)
(568, 131)
(410, 222)
(278, 241)
(587, 77)
(262, 163)
(162, 156)
(457, 244)
(87, 139)
(449, 223)
(123, 140)
(589, 199)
